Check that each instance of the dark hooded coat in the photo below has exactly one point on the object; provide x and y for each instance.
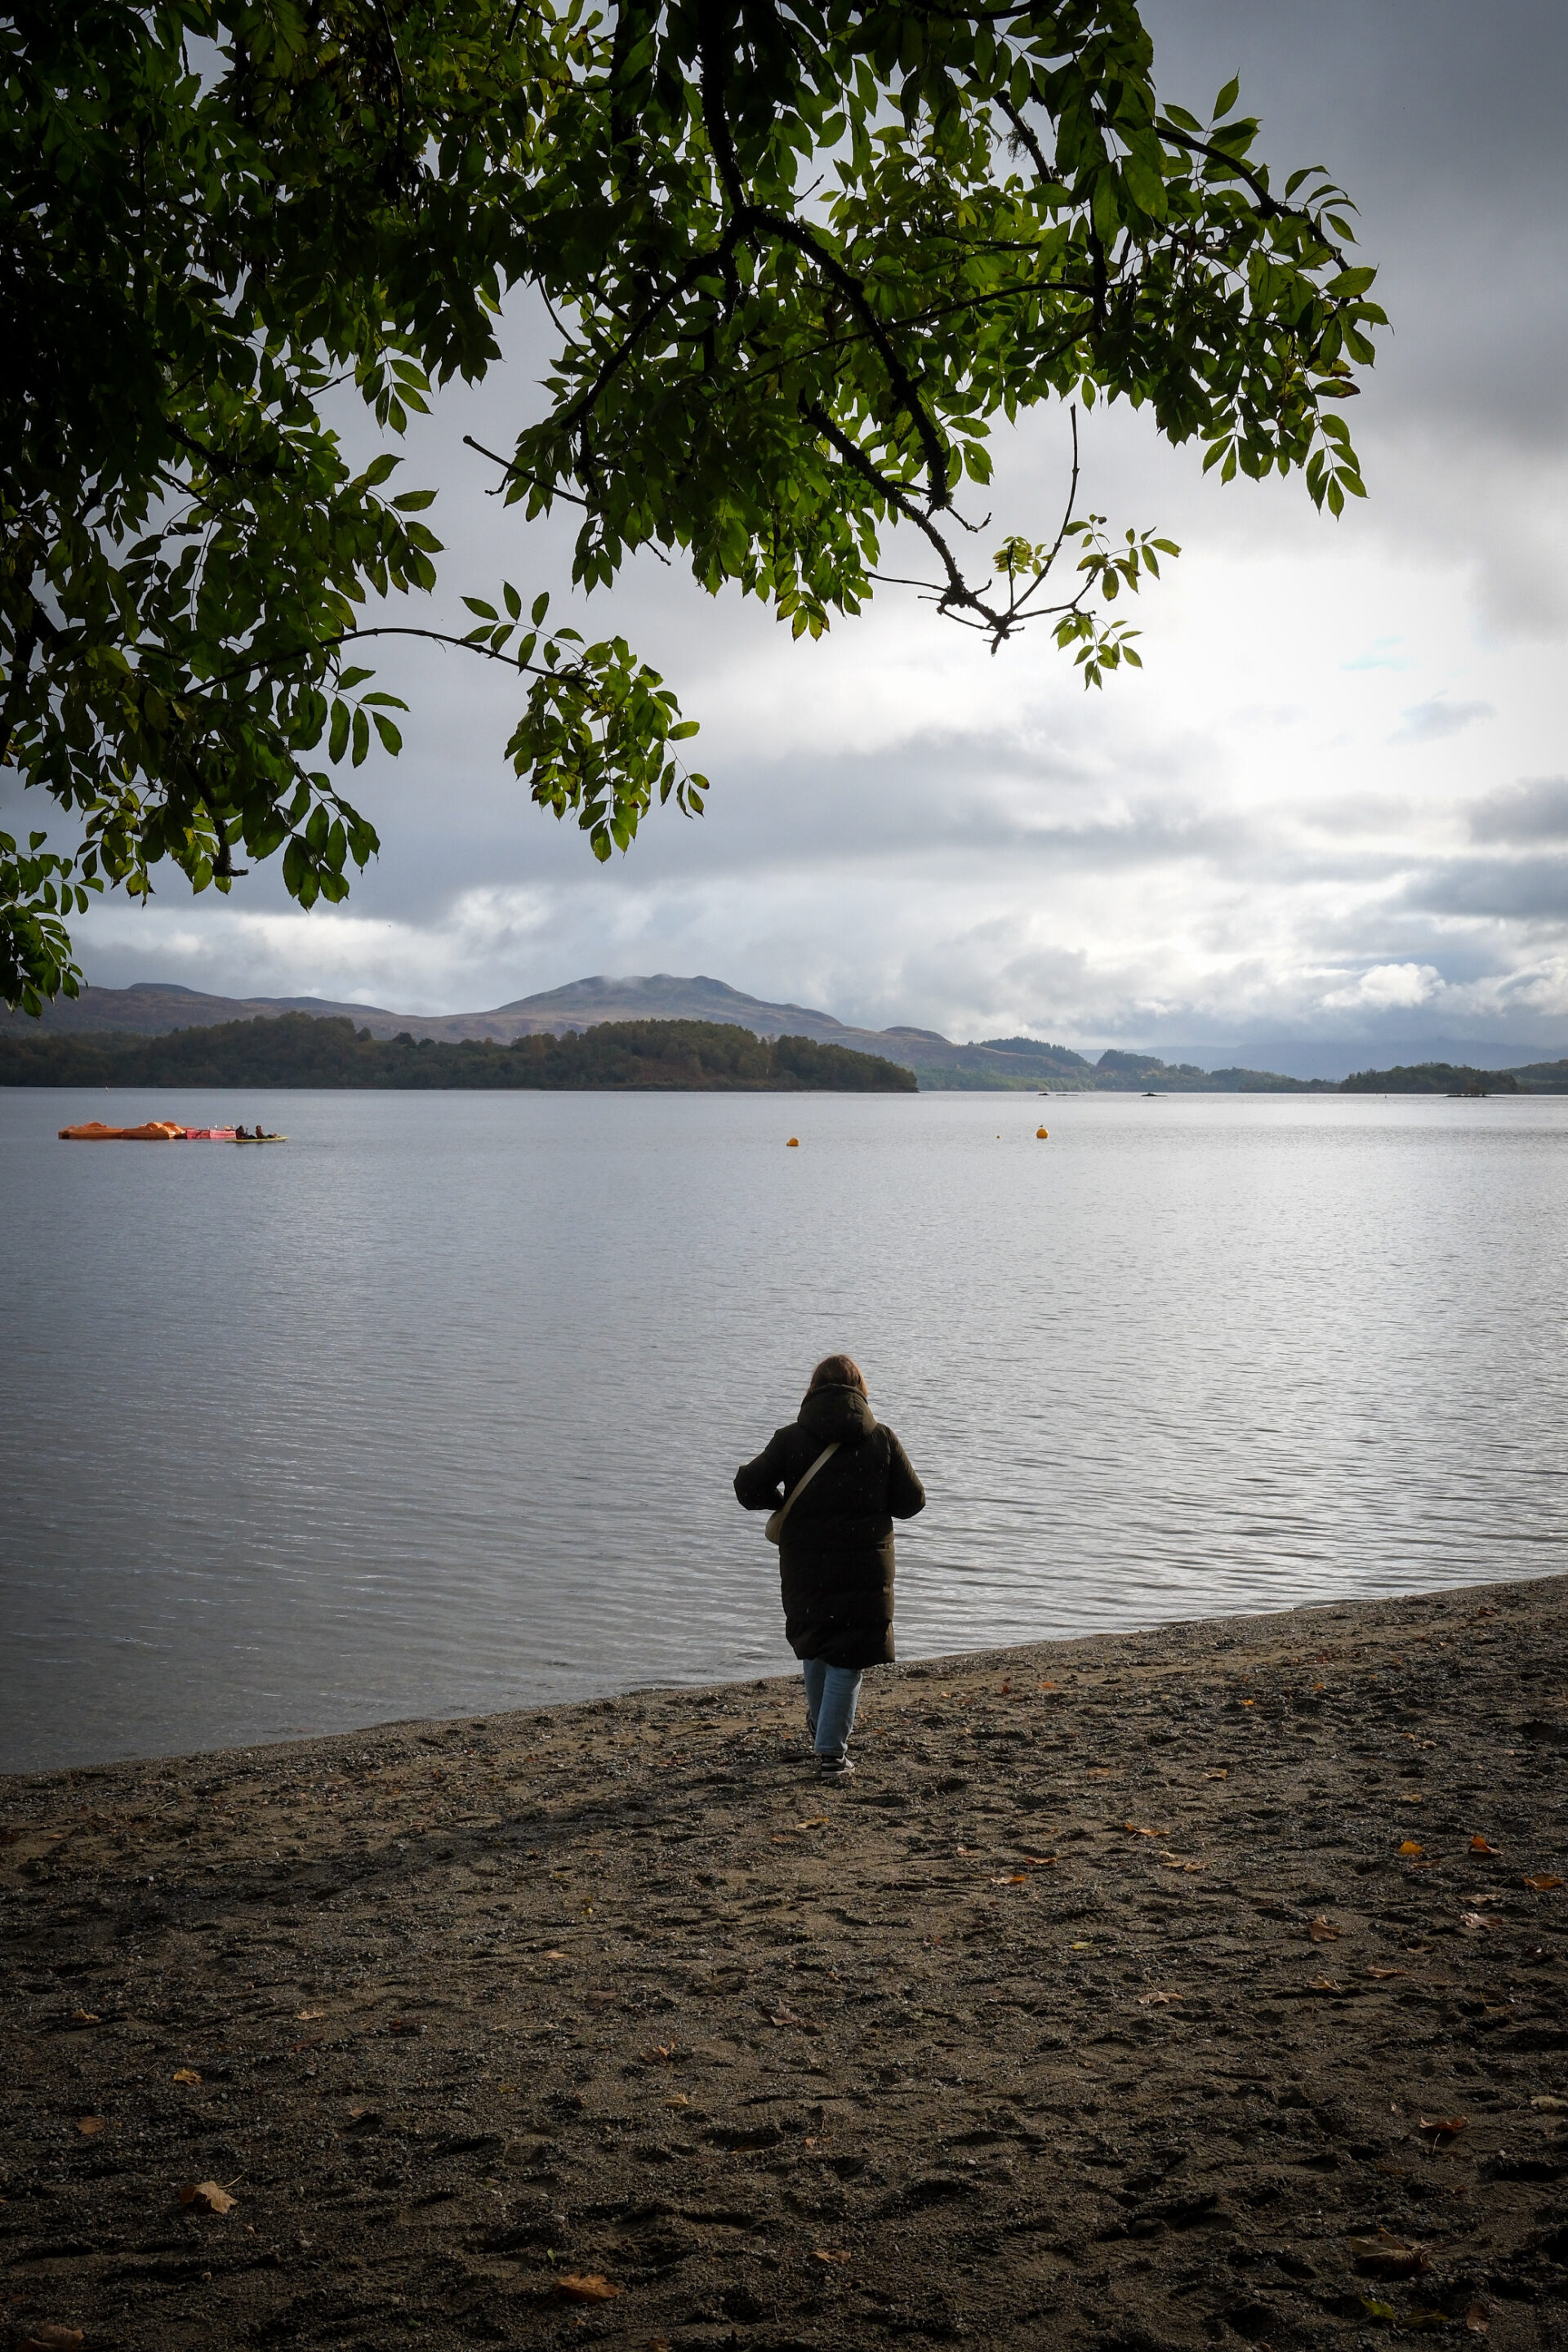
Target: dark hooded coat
(836, 1562)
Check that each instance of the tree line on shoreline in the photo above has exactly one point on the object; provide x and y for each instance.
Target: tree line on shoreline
(300, 1049)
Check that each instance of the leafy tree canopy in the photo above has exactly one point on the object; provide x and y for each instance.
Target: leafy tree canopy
(801, 256)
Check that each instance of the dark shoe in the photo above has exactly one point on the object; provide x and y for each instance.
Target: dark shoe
(834, 1767)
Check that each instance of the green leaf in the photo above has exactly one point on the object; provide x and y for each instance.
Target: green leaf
(1226, 99)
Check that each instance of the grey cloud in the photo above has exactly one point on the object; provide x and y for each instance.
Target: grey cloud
(1436, 718)
(1534, 809)
(1524, 889)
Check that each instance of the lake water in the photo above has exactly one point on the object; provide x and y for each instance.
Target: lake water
(436, 1410)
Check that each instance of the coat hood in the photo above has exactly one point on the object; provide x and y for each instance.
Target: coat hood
(836, 1416)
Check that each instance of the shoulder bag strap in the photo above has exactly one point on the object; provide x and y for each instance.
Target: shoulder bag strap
(774, 1529)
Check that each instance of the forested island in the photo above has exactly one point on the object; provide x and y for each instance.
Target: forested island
(295, 1049)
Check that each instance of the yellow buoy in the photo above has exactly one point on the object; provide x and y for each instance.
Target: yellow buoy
(793, 1143)
(1042, 1134)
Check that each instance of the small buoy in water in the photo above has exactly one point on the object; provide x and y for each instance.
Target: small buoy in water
(1042, 1134)
(793, 1143)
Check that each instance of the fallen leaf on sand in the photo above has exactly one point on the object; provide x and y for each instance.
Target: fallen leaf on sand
(186, 2075)
(1479, 1845)
(85, 2017)
(552, 1956)
(1551, 2107)
(817, 1821)
(679, 2100)
(209, 2195)
(1474, 1919)
(1476, 2319)
(828, 2254)
(1134, 1831)
(661, 2053)
(1543, 1883)
(49, 2338)
(1157, 2000)
(1223, 1774)
(89, 2125)
(1325, 1984)
(1384, 2311)
(1410, 1846)
(1176, 1861)
(1394, 2257)
(788, 2017)
(1444, 2126)
(308, 2016)
(1011, 1878)
(1321, 1932)
(1388, 1972)
(590, 2287)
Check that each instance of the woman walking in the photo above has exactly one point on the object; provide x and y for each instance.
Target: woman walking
(834, 1481)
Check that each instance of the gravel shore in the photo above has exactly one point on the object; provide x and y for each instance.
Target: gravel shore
(1201, 1985)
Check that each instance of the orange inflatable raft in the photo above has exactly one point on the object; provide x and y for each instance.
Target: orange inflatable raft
(156, 1131)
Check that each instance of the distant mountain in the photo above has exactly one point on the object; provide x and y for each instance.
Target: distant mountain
(157, 1007)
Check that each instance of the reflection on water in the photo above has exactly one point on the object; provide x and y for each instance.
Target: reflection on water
(437, 1410)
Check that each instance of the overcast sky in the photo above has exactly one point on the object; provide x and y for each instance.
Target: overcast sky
(1333, 806)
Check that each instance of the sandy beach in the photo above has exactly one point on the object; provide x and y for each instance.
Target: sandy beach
(1182, 1988)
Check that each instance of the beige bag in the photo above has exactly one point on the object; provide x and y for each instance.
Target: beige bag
(774, 1529)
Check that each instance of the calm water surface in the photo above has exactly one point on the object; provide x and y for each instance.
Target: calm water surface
(436, 1410)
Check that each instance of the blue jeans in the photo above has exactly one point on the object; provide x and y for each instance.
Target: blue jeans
(831, 1696)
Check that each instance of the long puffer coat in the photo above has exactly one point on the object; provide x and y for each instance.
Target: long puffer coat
(836, 1562)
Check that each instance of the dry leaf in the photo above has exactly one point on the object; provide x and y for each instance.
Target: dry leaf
(209, 2195)
(1391, 2255)
(661, 2054)
(1157, 2000)
(1223, 1774)
(1543, 1883)
(1550, 2106)
(50, 2338)
(828, 2254)
(817, 1821)
(85, 2017)
(88, 2124)
(1476, 2319)
(1039, 1861)
(787, 2017)
(1410, 1846)
(679, 2100)
(552, 1956)
(1444, 2126)
(1321, 1932)
(1474, 1919)
(590, 2287)
(1388, 1972)
(1134, 1831)
(309, 2016)
(1325, 1984)
(1011, 1878)
(186, 2075)
(1479, 1845)
(1176, 1861)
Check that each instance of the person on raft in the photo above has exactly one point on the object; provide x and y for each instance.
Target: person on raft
(836, 1480)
